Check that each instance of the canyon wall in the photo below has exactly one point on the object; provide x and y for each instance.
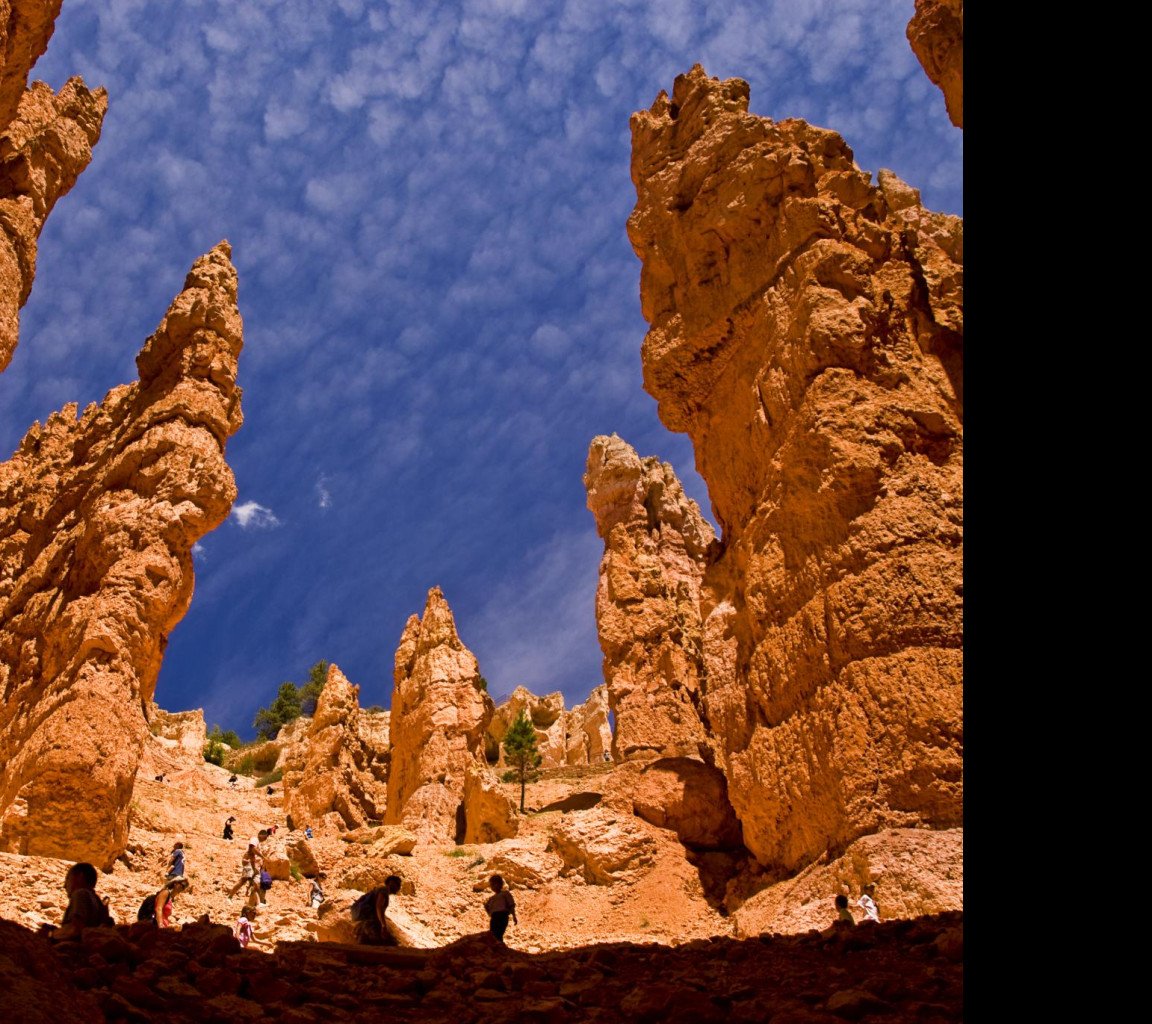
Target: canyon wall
(806, 331)
(335, 768)
(46, 140)
(439, 718)
(648, 604)
(579, 735)
(936, 33)
(98, 516)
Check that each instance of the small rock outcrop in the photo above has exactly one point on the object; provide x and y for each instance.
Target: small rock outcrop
(578, 736)
(489, 813)
(46, 141)
(603, 848)
(440, 714)
(182, 731)
(691, 799)
(936, 33)
(657, 546)
(98, 516)
(337, 766)
(807, 333)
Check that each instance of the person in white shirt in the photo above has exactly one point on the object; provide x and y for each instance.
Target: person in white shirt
(868, 904)
(500, 907)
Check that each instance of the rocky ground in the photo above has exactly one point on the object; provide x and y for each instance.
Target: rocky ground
(897, 971)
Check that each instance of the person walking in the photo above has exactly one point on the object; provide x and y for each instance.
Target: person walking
(176, 862)
(500, 907)
(867, 903)
(244, 931)
(228, 828)
(250, 867)
(159, 908)
(368, 913)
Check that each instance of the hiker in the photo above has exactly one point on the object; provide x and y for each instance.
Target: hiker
(228, 828)
(368, 913)
(270, 790)
(316, 897)
(250, 868)
(272, 830)
(159, 778)
(158, 908)
(176, 862)
(307, 831)
(232, 781)
(85, 909)
(843, 914)
(500, 906)
(867, 903)
(244, 931)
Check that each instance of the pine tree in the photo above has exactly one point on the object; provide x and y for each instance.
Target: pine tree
(521, 755)
(311, 690)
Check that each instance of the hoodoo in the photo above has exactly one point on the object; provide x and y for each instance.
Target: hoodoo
(807, 333)
(97, 522)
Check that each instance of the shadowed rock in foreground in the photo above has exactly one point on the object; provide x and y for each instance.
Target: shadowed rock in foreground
(46, 140)
(97, 521)
(807, 334)
(891, 973)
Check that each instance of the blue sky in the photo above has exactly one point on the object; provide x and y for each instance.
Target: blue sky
(427, 205)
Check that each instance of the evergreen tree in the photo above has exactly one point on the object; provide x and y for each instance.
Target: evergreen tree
(311, 690)
(284, 709)
(214, 749)
(521, 754)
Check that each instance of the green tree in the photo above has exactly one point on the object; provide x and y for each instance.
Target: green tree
(214, 750)
(232, 739)
(284, 709)
(311, 690)
(483, 684)
(521, 754)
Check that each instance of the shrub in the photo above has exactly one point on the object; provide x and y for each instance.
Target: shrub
(375, 709)
(267, 780)
(214, 751)
(264, 758)
(294, 871)
(246, 765)
(483, 684)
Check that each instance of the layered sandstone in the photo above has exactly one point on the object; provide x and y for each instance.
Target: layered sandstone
(46, 140)
(580, 735)
(440, 714)
(936, 33)
(98, 516)
(335, 767)
(179, 731)
(648, 604)
(807, 333)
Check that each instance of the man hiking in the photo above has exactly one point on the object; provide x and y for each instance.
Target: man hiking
(368, 913)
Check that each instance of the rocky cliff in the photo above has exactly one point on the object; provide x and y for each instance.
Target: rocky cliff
(336, 768)
(439, 717)
(46, 140)
(580, 735)
(936, 33)
(98, 516)
(807, 333)
(648, 607)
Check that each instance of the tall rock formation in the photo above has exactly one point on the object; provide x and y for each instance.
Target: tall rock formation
(335, 767)
(97, 521)
(656, 549)
(936, 33)
(588, 730)
(439, 717)
(807, 333)
(46, 140)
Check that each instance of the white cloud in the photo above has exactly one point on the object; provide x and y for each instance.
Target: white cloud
(253, 514)
(323, 495)
(198, 549)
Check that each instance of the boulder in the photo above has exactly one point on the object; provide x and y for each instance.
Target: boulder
(489, 813)
(384, 840)
(439, 717)
(603, 848)
(98, 515)
(524, 865)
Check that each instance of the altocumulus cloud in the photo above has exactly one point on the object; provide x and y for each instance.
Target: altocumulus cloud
(251, 514)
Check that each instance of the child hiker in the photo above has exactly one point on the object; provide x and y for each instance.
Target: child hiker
(500, 906)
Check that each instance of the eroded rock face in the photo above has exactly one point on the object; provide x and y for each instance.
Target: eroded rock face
(439, 718)
(936, 33)
(807, 333)
(46, 140)
(578, 736)
(691, 799)
(489, 813)
(648, 606)
(97, 521)
(335, 766)
(603, 847)
(182, 731)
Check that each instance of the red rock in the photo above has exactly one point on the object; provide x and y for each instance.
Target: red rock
(936, 33)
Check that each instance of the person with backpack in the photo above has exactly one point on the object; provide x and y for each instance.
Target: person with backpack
(158, 908)
(228, 828)
(368, 913)
(85, 909)
(176, 862)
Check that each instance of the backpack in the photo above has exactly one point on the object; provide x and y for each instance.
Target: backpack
(363, 907)
(265, 880)
(147, 911)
